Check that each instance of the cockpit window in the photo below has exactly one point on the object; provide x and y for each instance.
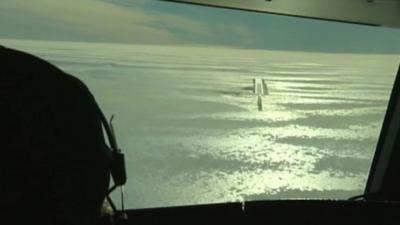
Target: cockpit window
(214, 105)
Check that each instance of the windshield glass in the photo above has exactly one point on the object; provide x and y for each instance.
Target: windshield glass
(214, 105)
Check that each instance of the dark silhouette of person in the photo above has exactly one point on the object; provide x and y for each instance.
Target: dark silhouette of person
(54, 166)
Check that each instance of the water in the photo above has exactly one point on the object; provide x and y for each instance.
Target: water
(189, 121)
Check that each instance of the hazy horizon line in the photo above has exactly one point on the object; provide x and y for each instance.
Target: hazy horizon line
(200, 46)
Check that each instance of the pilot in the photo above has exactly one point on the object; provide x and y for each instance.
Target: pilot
(54, 166)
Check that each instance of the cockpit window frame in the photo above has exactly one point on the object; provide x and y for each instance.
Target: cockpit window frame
(385, 160)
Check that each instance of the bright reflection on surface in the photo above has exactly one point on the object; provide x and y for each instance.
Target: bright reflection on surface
(188, 119)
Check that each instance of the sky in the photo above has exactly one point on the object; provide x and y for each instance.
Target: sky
(163, 23)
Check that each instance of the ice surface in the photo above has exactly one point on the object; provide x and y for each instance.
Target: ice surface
(188, 120)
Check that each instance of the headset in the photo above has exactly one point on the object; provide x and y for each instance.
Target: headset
(117, 163)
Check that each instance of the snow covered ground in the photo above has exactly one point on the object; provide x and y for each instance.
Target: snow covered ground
(190, 124)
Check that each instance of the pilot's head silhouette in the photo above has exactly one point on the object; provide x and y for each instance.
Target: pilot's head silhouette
(54, 163)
